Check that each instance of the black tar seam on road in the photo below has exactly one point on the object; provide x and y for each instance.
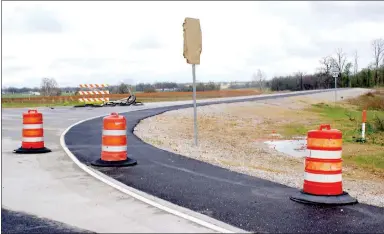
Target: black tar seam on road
(243, 201)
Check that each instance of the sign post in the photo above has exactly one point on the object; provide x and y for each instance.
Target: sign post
(192, 51)
(363, 125)
(335, 74)
(194, 103)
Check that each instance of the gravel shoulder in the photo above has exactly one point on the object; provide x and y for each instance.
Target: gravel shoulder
(232, 136)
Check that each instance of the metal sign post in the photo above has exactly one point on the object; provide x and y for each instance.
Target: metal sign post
(192, 51)
(194, 102)
(335, 74)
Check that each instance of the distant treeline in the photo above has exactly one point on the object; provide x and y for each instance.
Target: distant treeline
(124, 88)
(348, 76)
(347, 68)
(171, 86)
(36, 89)
(364, 78)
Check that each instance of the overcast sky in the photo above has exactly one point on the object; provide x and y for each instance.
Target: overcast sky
(106, 42)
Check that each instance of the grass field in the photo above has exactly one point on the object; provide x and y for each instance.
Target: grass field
(16, 95)
(36, 104)
(142, 97)
(347, 117)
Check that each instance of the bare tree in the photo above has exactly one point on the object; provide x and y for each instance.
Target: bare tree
(339, 60)
(347, 72)
(123, 88)
(300, 75)
(325, 70)
(326, 65)
(382, 70)
(356, 65)
(49, 87)
(259, 78)
(254, 80)
(378, 52)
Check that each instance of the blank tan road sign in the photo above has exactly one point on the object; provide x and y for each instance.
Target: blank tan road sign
(192, 40)
(192, 51)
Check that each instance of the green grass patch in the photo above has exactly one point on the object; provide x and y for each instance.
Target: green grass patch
(27, 104)
(348, 119)
(376, 161)
(371, 160)
(295, 129)
(16, 95)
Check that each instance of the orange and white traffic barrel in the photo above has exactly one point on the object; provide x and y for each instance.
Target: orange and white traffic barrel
(323, 169)
(114, 143)
(32, 134)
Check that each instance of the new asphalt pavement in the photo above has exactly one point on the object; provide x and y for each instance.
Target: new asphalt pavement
(20, 222)
(243, 201)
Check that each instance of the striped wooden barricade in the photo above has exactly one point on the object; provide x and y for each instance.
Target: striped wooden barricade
(95, 89)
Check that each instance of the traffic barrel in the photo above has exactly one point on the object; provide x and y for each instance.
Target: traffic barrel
(32, 134)
(114, 143)
(323, 169)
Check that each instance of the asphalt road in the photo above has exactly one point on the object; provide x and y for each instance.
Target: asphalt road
(18, 222)
(52, 186)
(244, 201)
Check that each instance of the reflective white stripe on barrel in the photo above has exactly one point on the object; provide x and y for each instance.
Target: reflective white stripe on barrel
(321, 178)
(32, 126)
(33, 139)
(113, 148)
(324, 154)
(114, 132)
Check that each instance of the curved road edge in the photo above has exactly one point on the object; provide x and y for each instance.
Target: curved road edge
(166, 206)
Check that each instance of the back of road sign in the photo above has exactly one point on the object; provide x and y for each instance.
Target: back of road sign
(192, 40)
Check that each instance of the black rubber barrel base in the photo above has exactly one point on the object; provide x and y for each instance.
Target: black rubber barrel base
(32, 151)
(124, 163)
(343, 199)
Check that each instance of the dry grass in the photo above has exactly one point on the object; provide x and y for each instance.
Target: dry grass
(370, 101)
(142, 97)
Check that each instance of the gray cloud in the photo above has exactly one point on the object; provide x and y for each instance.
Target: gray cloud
(80, 62)
(264, 56)
(32, 20)
(310, 21)
(88, 63)
(147, 42)
(14, 69)
(8, 58)
(110, 78)
(302, 37)
(356, 11)
(303, 51)
(324, 14)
